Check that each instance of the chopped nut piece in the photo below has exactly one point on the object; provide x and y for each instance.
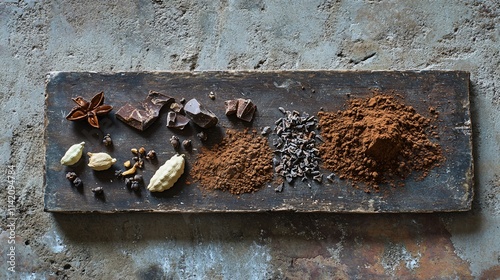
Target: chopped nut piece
(131, 170)
(127, 164)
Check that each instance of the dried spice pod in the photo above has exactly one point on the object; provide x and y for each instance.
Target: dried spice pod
(89, 110)
(73, 154)
(166, 176)
(100, 161)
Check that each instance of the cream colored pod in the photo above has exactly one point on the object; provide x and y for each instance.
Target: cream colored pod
(73, 154)
(100, 161)
(166, 176)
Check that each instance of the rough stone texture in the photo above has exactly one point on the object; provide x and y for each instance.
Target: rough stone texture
(40, 36)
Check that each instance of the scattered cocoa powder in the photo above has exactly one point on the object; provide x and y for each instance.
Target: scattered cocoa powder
(241, 163)
(377, 140)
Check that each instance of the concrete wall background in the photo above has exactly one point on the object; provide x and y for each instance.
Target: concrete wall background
(40, 36)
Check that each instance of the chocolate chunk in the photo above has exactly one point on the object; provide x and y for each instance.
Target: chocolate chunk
(231, 106)
(145, 113)
(171, 116)
(176, 107)
(175, 120)
(199, 115)
(246, 109)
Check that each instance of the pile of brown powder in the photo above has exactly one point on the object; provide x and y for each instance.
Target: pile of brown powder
(377, 140)
(241, 163)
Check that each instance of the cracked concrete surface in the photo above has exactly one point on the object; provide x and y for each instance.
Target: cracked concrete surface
(40, 36)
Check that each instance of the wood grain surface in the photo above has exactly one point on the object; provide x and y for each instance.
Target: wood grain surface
(447, 188)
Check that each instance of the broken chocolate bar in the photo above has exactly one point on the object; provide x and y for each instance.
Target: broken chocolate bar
(243, 108)
(175, 120)
(145, 113)
(199, 115)
(231, 106)
(246, 109)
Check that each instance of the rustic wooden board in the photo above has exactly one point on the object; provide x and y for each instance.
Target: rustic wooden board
(448, 188)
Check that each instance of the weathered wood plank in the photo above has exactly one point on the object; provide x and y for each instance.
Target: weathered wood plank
(448, 188)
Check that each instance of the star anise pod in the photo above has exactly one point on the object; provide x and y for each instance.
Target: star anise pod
(89, 110)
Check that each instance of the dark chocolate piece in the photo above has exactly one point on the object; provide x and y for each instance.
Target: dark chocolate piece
(175, 120)
(231, 106)
(199, 115)
(176, 107)
(246, 109)
(143, 115)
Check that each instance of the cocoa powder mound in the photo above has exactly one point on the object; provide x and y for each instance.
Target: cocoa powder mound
(240, 163)
(378, 140)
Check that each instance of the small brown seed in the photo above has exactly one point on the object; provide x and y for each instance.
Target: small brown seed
(142, 151)
(134, 151)
(211, 95)
(174, 140)
(151, 155)
(187, 144)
